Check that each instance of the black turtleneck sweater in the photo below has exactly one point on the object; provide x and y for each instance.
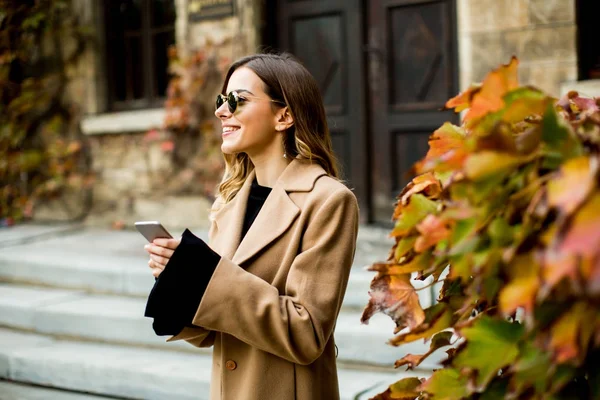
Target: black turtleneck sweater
(178, 290)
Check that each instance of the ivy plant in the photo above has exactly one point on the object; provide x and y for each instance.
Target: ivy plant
(504, 212)
(42, 151)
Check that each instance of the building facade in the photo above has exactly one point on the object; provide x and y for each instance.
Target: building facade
(385, 68)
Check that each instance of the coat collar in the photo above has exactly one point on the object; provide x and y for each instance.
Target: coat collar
(274, 218)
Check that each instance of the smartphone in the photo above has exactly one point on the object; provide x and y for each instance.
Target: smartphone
(152, 230)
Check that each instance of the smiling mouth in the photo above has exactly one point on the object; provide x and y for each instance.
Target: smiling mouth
(228, 130)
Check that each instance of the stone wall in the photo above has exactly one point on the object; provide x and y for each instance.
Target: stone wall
(541, 33)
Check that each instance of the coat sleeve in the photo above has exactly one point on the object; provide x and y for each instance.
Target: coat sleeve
(297, 324)
(196, 336)
(176, 293)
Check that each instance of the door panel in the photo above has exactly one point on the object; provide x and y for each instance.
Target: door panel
(385, 68)
(411, 75)
(326, 36)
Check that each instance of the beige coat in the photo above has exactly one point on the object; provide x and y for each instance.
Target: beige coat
(271, 305)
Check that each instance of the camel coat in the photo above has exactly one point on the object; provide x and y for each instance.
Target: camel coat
(271, 305)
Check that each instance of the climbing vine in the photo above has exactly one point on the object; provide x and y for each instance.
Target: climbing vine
(42, 151)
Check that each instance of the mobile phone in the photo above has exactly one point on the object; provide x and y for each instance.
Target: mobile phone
(152, 230)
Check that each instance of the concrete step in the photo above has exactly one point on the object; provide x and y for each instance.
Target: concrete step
(135, 373)
(114, 262)
(117, 319)
(10, 390)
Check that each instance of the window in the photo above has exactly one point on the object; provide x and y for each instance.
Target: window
(588, 48)
(138, 34)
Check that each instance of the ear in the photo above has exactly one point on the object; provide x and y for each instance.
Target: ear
(284, 119)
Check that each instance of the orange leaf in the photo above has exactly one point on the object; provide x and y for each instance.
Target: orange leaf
(495, 85)
(583, 237)
(566, 342)
(573, 184)
(447, 149)
(524, 282)
(426, 183)
(433, 230)
(463, 100)
(395, 297)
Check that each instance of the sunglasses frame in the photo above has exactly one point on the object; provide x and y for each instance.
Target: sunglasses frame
(236, 97)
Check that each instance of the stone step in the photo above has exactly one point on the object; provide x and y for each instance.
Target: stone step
(117, 319)
(114, 262)
(10, 390)
(136, 373)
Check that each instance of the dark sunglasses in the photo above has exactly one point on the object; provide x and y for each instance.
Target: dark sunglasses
(233, 99)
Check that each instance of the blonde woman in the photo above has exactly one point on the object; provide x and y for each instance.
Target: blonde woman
(266, 290)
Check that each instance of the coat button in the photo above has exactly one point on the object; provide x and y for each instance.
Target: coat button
(230, 365)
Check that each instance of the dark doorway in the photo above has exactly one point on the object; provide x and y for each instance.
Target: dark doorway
(587, 43)
(412, 72)
(385, 69)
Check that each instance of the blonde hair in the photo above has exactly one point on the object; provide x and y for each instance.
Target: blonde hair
(307, 139)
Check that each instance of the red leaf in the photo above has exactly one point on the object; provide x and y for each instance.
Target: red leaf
(167, 145)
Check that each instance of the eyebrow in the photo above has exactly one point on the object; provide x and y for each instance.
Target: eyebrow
(241, 91)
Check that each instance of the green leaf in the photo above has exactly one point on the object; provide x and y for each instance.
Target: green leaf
(418, 208)
(491, 344)
(482, 165)
(530, 371)
(554, 129)
(496, 391)
(500, 232)
(559, 138)
(404, 246)
(404, 389)
(463, 229)
(446, 384)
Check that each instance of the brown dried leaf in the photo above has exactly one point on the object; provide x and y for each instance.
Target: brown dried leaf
(394, 296)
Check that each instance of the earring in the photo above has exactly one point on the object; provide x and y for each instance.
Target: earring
(284, 154)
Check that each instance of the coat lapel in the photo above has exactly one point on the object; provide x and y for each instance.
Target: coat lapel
(275, 217)
(229, 220)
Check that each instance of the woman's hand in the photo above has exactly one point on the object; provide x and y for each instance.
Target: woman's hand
(160, 251)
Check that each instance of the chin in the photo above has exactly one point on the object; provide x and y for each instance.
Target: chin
(226, 148)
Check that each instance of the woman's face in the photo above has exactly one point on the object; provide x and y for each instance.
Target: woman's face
(251, 128)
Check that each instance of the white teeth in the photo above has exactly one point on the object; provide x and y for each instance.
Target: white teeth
(229, 129)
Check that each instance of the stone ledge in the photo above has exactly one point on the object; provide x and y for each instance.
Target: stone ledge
(585, 88)
(123, 122)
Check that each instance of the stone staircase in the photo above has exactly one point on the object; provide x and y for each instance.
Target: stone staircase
(71, 318)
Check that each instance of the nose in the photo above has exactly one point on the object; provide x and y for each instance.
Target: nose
(223, 111)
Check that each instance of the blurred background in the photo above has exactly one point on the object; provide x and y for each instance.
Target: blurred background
(106, 118)
(107, 105)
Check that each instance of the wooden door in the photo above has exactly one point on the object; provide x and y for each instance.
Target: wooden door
(412, 72)
(327, 36)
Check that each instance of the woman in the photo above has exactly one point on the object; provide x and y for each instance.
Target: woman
(268, 290)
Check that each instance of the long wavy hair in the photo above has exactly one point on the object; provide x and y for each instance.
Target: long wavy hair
(289, 82)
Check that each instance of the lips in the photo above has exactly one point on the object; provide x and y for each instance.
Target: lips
(228, 130)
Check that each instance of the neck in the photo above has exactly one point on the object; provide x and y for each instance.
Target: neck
(268, 169)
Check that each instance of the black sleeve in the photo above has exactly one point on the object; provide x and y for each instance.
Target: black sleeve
(178, 290)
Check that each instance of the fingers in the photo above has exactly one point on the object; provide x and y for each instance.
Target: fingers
(168, 243)
(156, 268)
(159, 250)
(162, 261)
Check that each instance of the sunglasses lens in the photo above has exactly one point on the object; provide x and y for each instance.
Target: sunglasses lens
(219, 101)
(232, 102)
